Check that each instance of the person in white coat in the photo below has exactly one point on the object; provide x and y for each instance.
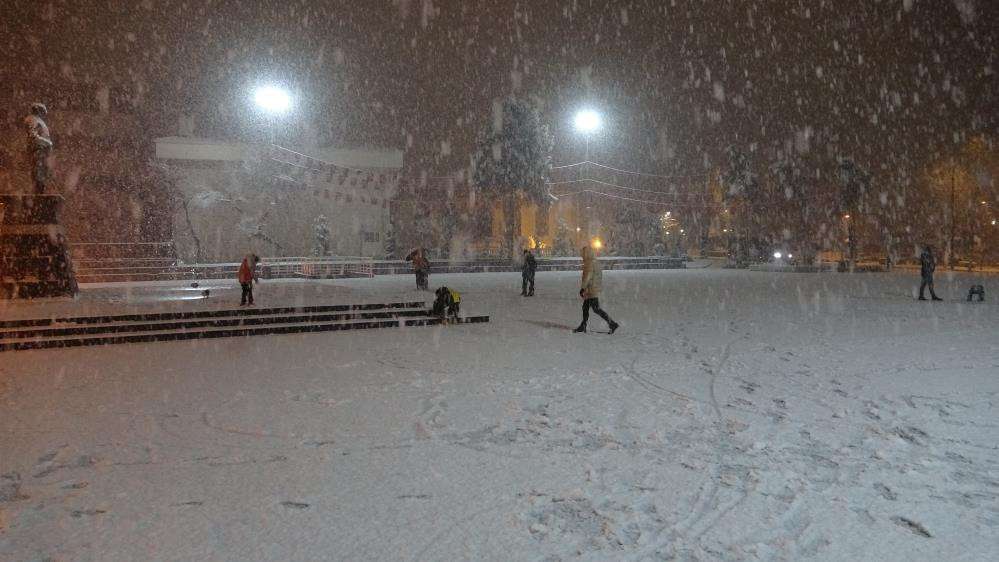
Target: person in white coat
(589, 290)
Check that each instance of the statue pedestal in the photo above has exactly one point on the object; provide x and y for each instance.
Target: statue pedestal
(34, 253)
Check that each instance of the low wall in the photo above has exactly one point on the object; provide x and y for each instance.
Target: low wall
(544, 264)
(377, 267)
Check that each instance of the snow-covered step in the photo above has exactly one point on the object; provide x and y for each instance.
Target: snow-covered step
(222, 322)
(167, 329)
(272, 329)
(195, 314)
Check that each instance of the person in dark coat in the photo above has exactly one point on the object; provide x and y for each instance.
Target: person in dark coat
(421, 267)
(39, 147)
(927, 265)
(527, 274)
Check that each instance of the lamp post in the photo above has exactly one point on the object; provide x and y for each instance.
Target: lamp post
(273, 101)
(587, 122)
(950, 242)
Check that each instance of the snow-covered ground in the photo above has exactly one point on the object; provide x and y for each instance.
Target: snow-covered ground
(735, 416)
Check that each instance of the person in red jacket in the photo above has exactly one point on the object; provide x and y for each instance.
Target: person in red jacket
(247, 275)
(421, 267)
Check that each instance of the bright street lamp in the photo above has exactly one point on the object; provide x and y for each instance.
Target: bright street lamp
(272, 99)
(587, 121)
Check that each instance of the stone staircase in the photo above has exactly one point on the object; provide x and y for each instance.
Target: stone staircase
(43, 333)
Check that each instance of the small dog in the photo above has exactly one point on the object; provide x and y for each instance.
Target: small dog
(447, 304)
(976, 290)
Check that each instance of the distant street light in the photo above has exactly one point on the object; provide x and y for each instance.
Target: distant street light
(272, 99)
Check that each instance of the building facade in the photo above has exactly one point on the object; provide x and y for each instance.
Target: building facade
(233, 199)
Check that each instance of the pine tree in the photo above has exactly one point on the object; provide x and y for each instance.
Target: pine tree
(744, 198)
(563, 238)
(321, 236)
(853, 186)
(795, 188)
(390, 243)
(513, 160)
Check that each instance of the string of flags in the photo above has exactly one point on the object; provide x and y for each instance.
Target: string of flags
(343, 182)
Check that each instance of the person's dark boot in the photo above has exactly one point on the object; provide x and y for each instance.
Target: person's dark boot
(922, 298)
(613, 327)
(936, 298)
(580, 329)
(530, 294)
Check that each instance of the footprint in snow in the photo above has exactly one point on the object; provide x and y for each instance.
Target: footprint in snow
(913, 435)
(317, 444)
(77, 513)
(914, 527)
(295, 505)
(10, 487)
(886, 492)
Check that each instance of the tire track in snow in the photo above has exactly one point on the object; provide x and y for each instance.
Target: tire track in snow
(715, 474)
(708, 509)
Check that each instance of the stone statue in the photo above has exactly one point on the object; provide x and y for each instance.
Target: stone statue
(39, 147)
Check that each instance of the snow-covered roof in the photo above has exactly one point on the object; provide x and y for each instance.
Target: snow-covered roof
(199, 149)
(191, 148)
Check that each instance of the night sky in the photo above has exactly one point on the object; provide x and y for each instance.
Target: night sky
(892, 83)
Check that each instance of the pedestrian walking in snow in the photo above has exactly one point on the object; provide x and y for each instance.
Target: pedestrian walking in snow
(421, 267)
(527, 274)
(39, 147)
(247, 276)
(927, 265)
(589, 290)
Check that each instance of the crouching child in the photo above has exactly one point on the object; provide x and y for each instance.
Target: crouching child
(447, 304)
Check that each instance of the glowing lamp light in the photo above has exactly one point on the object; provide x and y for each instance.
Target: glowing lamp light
(597, 244)
(777, 255)
(587, 121)
(578, 229)
(272, 99)
(846, 216)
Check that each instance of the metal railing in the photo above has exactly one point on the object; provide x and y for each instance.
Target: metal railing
(318, 267)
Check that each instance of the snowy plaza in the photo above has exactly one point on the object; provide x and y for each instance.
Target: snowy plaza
(735, 415)
(499, 280)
